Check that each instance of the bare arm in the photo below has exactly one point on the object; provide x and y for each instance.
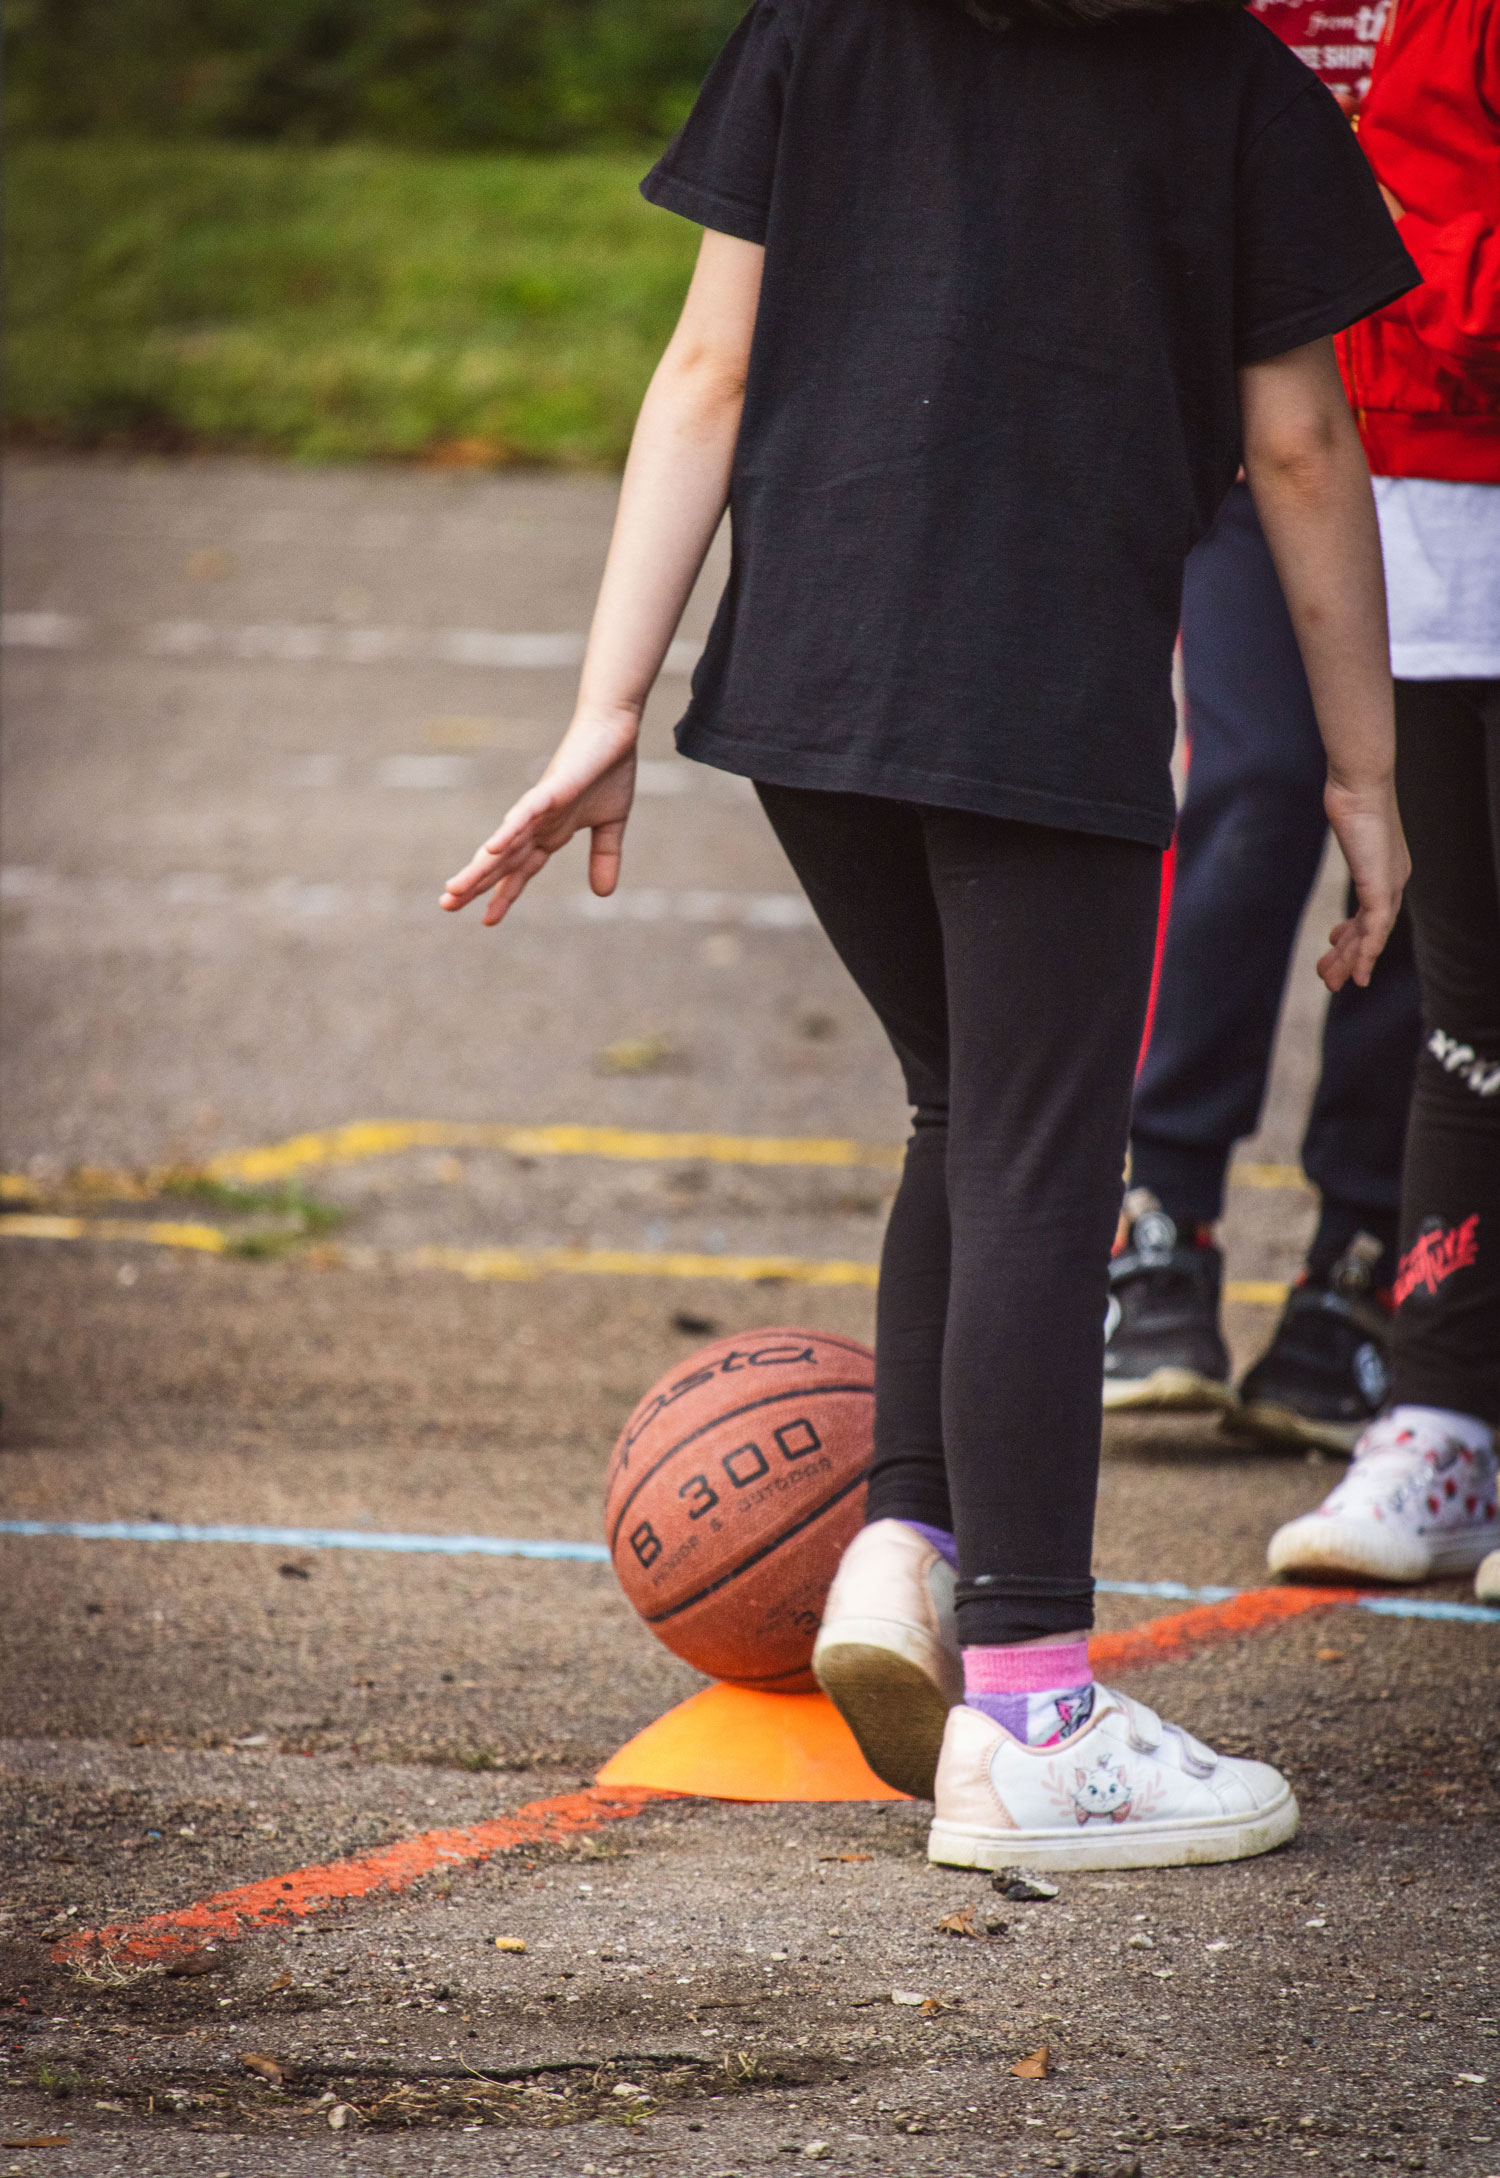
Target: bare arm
(1307, 475)
(674, 493)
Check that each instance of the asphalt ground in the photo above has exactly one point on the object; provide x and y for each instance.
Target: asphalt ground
(254, 717)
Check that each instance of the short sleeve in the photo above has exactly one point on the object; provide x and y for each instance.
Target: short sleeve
(1316, 248)
(719, 168)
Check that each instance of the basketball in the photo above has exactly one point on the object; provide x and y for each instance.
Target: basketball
(733, 1490)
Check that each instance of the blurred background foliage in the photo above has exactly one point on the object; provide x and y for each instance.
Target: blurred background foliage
(337, 304)
(344, 228)
(441, 74)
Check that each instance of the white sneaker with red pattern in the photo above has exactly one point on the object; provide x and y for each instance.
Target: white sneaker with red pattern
(1419, 1501)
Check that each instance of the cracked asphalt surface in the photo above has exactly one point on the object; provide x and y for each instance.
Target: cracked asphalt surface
(221, 867)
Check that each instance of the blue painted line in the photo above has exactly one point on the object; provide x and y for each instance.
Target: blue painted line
(1174, 1591)
(510, 1546)
(446, 1546)
(1473, 1614)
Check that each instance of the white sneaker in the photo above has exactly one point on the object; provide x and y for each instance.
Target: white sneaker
(1127, 1791)
(888, 1656)
(1417, 1502)
(1487, 1579)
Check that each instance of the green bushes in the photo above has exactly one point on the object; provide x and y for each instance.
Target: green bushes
(455, 74)
(335, 304)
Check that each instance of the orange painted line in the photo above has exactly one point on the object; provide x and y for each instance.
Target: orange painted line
(230, 1915)
(1168, 1640)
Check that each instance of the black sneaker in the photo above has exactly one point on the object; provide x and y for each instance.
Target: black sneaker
(1163, 1346)
(1325, 1374)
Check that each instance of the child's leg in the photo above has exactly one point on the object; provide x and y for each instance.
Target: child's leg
(862, 862)
(1048, 940)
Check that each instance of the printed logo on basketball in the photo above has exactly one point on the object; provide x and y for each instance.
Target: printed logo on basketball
(784, 1355)
(746, 1464)
(1436, 1254)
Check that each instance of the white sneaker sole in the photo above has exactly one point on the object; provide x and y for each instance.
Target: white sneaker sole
(893, 1686)
(1183, 1389)
(1121, 1845)
(1487, 1580)
(1367, 1551)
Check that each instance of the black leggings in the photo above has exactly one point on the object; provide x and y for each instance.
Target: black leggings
(1447, 1332)
(1009, 965)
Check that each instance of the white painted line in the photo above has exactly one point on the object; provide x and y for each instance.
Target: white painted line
(43, 631)
(290, 642)
(424, 773)
(197, 892)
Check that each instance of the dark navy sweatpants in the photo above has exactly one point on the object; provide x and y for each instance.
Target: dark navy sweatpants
(1249, 840)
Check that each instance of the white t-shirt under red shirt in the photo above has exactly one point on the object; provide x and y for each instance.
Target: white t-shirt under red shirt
(1441, 541)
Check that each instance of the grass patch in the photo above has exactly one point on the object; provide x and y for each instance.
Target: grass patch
(288, 1201)
(336, 304)
(286, 1217)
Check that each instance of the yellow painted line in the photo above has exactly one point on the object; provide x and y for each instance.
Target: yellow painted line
(363, 1139)
(1256, 1292)
(527, 1263)
(18, 1226)
(164, 1233)
(503, 1264)
(1288, 1177)
(521, 1265)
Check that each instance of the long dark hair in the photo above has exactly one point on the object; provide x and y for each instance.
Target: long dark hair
(1075, 14)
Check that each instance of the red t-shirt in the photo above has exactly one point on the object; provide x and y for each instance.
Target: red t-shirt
(1335, 39)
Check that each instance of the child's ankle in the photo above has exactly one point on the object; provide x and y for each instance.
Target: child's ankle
(1039, 1692)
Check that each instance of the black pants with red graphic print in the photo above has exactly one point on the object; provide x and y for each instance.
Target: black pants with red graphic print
(1447, 1328)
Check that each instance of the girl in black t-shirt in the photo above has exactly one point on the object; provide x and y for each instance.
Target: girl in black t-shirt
(992, 300)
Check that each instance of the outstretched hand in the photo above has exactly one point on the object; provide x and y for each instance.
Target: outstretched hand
(1367, 826)
(588, 786)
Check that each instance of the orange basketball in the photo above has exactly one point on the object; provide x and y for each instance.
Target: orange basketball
(731, 1494)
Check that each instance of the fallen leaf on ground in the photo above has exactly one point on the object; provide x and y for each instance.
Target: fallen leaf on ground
(264, 2067)
(846, 1856)
(637, 1055)
(282, 1981)
(1035, 2067)
(1330, 1656)
(40, 2140)
(1021, 1886)
(932, 2006)
(960, 1924)
(510, 1943)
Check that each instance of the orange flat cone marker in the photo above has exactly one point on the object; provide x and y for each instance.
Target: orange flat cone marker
(732, 1743)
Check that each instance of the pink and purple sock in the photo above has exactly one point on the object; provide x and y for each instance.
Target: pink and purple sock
(1040, 1693)
(940, 1539)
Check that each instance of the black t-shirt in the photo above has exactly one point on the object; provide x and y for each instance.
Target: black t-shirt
(992, 399)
